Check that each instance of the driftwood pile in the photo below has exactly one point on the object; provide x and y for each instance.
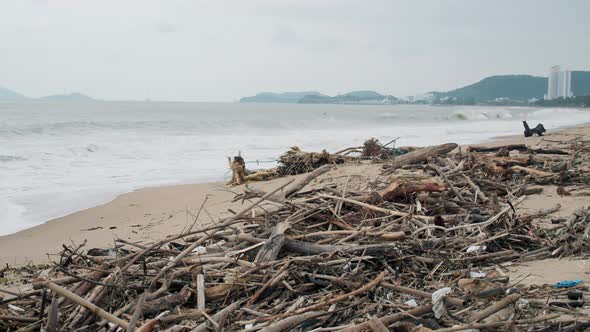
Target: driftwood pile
(295, 161)
(422, 252)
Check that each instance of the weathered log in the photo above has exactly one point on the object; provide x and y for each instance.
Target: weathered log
(376, 208)
(200, 292)
(509, 147)
(297, 186)
(530, 171)
(517, 147)
(308, 248)
(390, 319)
(291, 322)
(219, 316)
(90, 306)
(191, 314)
(476, 317)
(137, 313)
(420, 155)
(398, 188)
(271, 248)
(168, 301)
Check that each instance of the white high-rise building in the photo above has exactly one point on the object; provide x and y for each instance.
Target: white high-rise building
(553, 82)
(558, 83)
(565, 84)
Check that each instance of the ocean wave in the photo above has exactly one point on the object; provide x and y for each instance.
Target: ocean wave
(76, 153)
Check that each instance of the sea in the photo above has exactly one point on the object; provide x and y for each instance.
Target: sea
(58, 158)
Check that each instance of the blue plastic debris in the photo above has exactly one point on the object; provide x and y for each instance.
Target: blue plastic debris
(568, 283)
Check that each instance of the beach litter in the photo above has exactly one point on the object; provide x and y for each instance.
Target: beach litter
(424, 248)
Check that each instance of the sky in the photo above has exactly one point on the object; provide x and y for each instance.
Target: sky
(223, 50)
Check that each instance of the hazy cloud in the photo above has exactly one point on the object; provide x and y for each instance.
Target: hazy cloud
(284, 35)
(221, 50)
(165, 27)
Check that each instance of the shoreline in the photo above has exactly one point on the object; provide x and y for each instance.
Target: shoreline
(151, 213)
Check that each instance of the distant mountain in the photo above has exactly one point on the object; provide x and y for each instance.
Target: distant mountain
(285, 97)
(9, 95)
(580, 83)
(67, 97)
(516, 87)
(355, 97)
(513, 87)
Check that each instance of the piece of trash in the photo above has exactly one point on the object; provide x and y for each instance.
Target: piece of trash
(438, 301)
(575, 295)
(411, 303)
(476, 249)
(522, 304)
(100, 252)
(200, 250)
(15, 308)
(91, 229)
(568, 283)
(473, 274)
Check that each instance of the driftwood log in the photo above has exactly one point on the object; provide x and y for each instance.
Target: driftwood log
(420, 155)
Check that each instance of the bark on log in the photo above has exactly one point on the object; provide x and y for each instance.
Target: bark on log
(494, 308)
(289, 323)
(398, 189)
(166, 302)
(517, 147)
(90, 306)
(529, 171)
(297, 186)
(420, 155)
(200, 291)
(390, 319)
(272, 247)
(219, 316)
(308, 248)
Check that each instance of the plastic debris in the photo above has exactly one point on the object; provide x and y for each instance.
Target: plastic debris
(568, 283)
(438, 301)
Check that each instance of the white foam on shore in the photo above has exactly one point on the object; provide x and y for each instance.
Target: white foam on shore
(59, 158)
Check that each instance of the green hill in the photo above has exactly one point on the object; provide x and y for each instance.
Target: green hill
(516, 87)
(580, 83)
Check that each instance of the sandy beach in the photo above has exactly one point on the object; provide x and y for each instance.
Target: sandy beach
(149, 214)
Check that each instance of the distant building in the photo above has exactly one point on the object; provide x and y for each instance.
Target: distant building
(558, 83)
(425, 97)
(553, 82)
(565, 84)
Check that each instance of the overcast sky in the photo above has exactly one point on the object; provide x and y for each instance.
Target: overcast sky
(223, 50)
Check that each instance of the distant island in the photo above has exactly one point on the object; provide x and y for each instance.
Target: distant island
(355, 97)
(313, 97)
(285, 97)
(9, 95)
(67, 97)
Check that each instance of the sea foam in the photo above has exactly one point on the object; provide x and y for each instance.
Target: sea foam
(56, 158)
